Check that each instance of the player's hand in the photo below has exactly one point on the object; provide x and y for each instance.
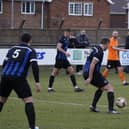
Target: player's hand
(38, 87)
(67, 54)
(124, 50)
(87, 81)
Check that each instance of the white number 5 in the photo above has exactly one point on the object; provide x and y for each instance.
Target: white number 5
(16, 53)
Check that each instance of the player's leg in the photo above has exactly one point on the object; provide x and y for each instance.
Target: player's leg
(79, 69)
(2, 102)
(105, 72)
(110, 96)
(52, 78)
(121, 75)
(110, 65)
(95, 100)
(73, 79)
(100, 82)
(23, 91)
(72, 76)
(97, 81)
(30, 111)
(5, 90)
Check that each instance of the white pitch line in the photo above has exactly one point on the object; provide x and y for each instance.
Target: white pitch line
(57, 102)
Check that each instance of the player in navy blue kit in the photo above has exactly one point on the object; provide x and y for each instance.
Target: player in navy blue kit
(93, 76)
(62, 62)
(14, 73)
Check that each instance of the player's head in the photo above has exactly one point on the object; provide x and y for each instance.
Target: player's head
(105, 42)
(26, 37)
(83, 32)
(115, 34)
(67, 32)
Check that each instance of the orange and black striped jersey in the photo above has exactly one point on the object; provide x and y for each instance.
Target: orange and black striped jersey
(112, 53)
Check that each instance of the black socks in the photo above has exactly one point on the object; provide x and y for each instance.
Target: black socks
(73, 80)
(29, 109)
(110, 96)
(51, 80)
(1, 106)
(97, 95)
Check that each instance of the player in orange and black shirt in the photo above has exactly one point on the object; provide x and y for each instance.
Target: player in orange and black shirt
(113, 58)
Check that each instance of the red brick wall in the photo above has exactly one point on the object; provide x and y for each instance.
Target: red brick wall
(53, 14)
(118, 21)
(59, 9)
(31, 21)
(5, 18)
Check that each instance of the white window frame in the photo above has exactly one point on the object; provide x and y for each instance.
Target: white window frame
(84, 9)
(1, 9)
(30, 10)
(74, 11)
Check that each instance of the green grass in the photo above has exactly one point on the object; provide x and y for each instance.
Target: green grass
(66, 109)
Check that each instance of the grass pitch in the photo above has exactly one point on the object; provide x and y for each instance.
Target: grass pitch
(66, 109)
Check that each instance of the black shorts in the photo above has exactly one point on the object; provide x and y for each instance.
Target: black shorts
(62, 64)
(20, 86)
(113, 64)
(98, 80)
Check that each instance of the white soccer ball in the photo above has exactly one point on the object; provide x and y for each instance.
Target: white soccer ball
(121, 102)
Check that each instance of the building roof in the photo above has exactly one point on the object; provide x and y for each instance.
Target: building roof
(110, 1)
(37, 0)
(118, 7)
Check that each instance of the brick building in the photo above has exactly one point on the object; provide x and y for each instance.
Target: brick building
(40, 14)
(118, 13)
(15, 13)
(79, 13)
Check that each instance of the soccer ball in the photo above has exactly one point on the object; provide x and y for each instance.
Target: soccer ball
(121, 102)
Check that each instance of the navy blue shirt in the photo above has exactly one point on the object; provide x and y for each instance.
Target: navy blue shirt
(65, 43)
(96, 52)
(18, 60)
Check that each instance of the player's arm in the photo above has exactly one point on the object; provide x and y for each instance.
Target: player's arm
(4, 62)
(91, 70)
(35, 70)
(119, 49)
(5, 59)
(59, 48)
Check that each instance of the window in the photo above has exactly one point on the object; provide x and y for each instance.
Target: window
(28, 7)
(88, 9)
(75, 8)
(1, 7)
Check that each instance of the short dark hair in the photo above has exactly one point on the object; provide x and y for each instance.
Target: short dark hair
(104, 40)
(26, 37)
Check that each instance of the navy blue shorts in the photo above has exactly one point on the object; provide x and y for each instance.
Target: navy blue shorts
(62, 64)
(98, 80)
